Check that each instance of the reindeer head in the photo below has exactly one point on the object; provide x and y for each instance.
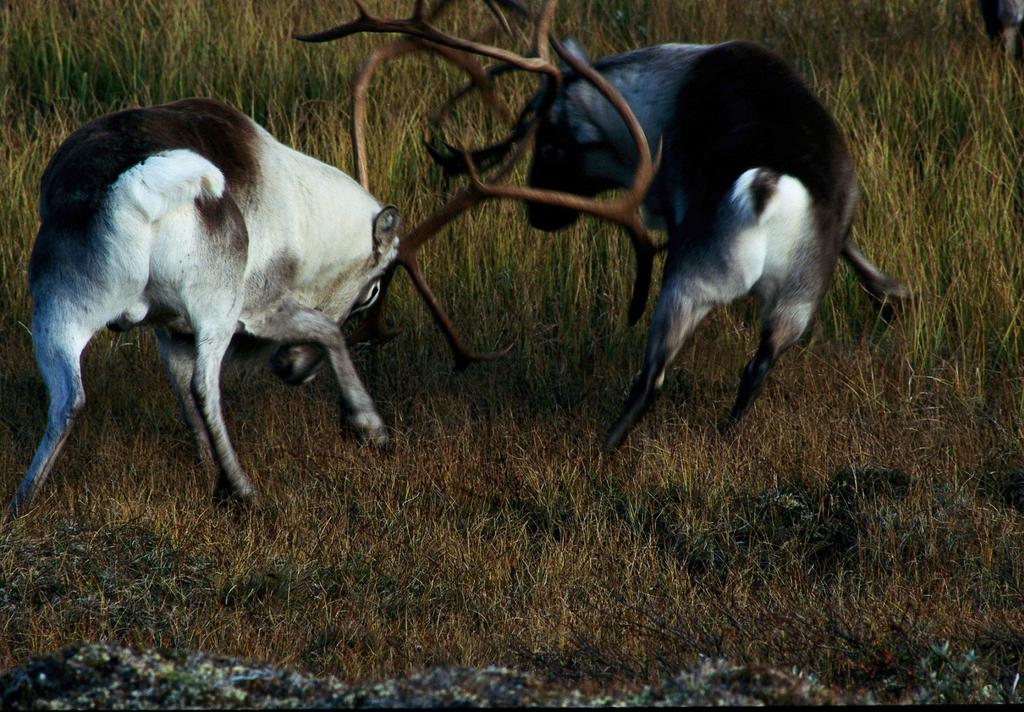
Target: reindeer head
(563, 138)
(298, 363)
(421, 33)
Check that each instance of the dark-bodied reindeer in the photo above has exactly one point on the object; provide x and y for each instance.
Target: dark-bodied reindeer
(756, 191)
(1003, 20)
(190, 218)
(754, 183)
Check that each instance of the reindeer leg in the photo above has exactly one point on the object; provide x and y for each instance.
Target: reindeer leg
(211, 345)
(292, 322)
(784, 324)
(675, 318)
(679, 310)
(1010, 36)
(178, 352)
(58, 354)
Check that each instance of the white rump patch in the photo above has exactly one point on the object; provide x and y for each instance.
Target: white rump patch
(758, 249)
(168, 180)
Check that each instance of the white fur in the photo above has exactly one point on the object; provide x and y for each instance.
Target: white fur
(320, 215)
(166, 181)
(764, 252)
(283, 263)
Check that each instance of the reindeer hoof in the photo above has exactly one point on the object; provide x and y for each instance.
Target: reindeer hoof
(729, 427)
(377, 438)
(614, 440)
(227, 494)
(369, 428)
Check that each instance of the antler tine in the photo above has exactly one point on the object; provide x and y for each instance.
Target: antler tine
(542, 36)
(462, 201)
(361, 82)
(624, 211)
(361, 85)
(463, 355)
(495, 8)
(451, 159)
(417, 26)
(454, 161)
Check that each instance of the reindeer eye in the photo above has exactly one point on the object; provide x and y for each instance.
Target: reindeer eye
(368, 298)
(553, 154)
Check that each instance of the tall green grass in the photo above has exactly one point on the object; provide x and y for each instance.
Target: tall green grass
(934, 119)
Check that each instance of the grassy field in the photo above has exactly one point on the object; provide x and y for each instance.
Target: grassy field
(871, 508)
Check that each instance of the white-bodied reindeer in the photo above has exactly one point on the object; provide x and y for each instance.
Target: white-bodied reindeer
(189, 217)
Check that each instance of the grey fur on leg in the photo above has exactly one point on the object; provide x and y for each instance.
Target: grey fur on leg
(210, 349)
(675, 319)
(178, 353)
(60, 364)
(291, 322)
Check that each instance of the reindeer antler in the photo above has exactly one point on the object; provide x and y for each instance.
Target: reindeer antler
(624, 211)
(361, 83)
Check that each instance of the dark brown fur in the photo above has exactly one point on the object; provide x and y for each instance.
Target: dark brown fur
(78, 177)
(91, 159)
(762, 188)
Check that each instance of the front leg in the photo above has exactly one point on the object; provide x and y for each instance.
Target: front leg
(289, 322)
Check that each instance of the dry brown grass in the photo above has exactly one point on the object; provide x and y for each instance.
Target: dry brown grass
(872, 505)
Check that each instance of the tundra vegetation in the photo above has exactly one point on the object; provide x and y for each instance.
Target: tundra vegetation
(865, 525)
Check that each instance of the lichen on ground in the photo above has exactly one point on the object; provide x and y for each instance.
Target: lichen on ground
(107, 676)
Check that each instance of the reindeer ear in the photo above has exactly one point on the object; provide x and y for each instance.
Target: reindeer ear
(385, 228)
(573, 47)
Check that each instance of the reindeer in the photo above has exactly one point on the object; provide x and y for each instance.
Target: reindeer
(752, 181)
(1003, 19)
(193, 220)
(756, 192)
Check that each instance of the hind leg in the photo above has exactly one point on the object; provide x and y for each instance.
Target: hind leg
(784, 324)
(675, 318)
(666, 337)
(178, 353)
(59, 359)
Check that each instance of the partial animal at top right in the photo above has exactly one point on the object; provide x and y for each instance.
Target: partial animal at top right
(1003, 20)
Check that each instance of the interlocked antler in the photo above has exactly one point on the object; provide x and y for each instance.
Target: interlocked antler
(361, 83)
(623, 211)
